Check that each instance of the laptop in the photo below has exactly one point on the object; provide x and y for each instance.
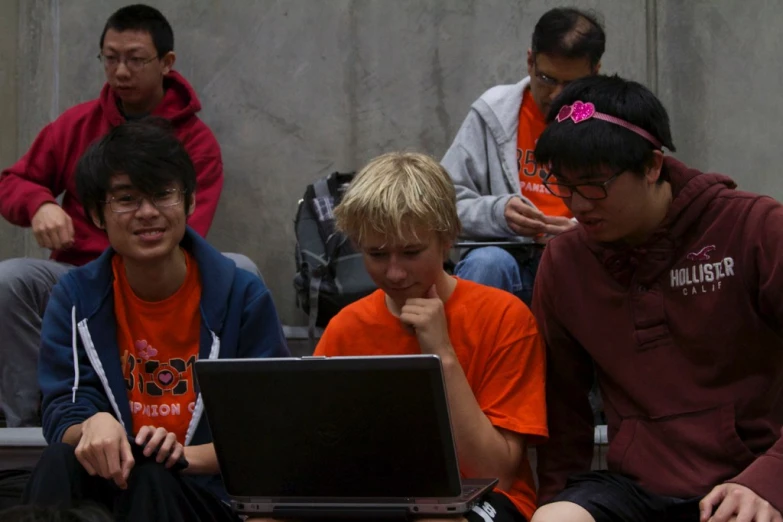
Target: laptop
(341, 437)
(511, 243)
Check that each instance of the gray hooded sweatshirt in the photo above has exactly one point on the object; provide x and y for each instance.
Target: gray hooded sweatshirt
(482, 162)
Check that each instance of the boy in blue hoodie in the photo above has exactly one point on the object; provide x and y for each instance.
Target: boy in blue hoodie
(121, 409)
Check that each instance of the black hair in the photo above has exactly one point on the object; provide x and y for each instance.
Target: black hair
(570, 33)
(140, 17)
(30, 513)
(146, 150)
(593, 143)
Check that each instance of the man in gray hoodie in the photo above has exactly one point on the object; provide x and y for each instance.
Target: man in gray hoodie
(499, 189)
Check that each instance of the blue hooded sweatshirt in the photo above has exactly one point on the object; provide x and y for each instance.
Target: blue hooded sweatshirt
(80, 371)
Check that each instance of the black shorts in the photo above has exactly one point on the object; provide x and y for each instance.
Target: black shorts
(494, 507)
(611, 497)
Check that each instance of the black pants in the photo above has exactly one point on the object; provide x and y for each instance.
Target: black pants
(611, 497)
(153, 493)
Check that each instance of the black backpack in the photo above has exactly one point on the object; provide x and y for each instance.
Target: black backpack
(330, 272)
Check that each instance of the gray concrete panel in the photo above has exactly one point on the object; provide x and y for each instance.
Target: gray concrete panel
(296, 89)
(11, 238)
(718, 64)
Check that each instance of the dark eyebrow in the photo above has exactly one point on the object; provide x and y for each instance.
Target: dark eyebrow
(124, 186)
(130, 49)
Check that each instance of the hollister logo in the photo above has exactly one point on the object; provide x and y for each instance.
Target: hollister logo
(702, 278)
(703, 254)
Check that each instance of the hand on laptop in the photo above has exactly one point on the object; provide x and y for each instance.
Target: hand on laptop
(104, 450)
(428, 320)
(169, 450)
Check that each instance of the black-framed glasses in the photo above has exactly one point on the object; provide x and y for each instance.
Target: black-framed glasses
(131, 201)
(592, 190)
(134, 64)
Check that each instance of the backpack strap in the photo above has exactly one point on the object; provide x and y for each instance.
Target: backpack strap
(323, 208)
(325, 195)
(315, 288)
(321, 188)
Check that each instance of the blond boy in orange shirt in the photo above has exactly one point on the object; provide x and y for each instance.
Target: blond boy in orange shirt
(401, 212)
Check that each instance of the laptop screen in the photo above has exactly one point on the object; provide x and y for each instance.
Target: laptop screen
(339, 427)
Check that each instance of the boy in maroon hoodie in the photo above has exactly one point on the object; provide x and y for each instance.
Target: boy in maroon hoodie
(670, 287)
(136, 50)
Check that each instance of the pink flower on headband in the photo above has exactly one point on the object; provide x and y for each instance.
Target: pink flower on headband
(580, 111)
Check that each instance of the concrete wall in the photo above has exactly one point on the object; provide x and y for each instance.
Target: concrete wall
(11, 238)
(719, 72)
(295, 89)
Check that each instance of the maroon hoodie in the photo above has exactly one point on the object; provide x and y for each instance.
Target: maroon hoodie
(47, 170)
(686, 332)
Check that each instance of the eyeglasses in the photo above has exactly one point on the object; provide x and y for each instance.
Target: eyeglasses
(131, 201)
(549, 81)
(134, 64)
(592, 190)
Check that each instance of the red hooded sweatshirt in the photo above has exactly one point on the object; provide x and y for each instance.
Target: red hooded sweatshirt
(686, 332)
(47, 170)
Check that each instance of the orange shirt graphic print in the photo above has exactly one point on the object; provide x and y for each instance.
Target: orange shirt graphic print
(159, 344)
(531, 175)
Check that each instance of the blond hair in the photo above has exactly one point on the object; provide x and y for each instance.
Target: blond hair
(397, 194)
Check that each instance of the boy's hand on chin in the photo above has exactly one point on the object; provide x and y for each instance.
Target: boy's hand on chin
(427, 317)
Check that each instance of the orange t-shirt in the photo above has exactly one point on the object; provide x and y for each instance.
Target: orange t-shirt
(531, 175)
(158, 343)
(497, 342)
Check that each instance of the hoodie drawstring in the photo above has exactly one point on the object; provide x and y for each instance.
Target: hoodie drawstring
(75, 355)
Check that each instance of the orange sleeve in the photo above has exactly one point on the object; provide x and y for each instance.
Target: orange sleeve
(512, 393)
(332, 338)
(324, 346)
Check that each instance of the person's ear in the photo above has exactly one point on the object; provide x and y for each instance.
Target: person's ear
(654, 168)
(446, 245)
(192, 206)
(97, 220)
(531, 62)
(168, 61)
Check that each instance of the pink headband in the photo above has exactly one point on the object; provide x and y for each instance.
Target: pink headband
(579, 112)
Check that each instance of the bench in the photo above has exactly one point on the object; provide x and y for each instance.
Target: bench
(20, 447)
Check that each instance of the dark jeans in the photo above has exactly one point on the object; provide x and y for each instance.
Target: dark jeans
(153, 493)
(512, 269)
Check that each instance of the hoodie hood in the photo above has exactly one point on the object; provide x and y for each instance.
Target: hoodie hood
(692, 192)
(94, 282)
(179, 102)
(499, 108)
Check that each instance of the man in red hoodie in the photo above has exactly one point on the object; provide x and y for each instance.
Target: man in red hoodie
(671, 288)
(136, 50)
